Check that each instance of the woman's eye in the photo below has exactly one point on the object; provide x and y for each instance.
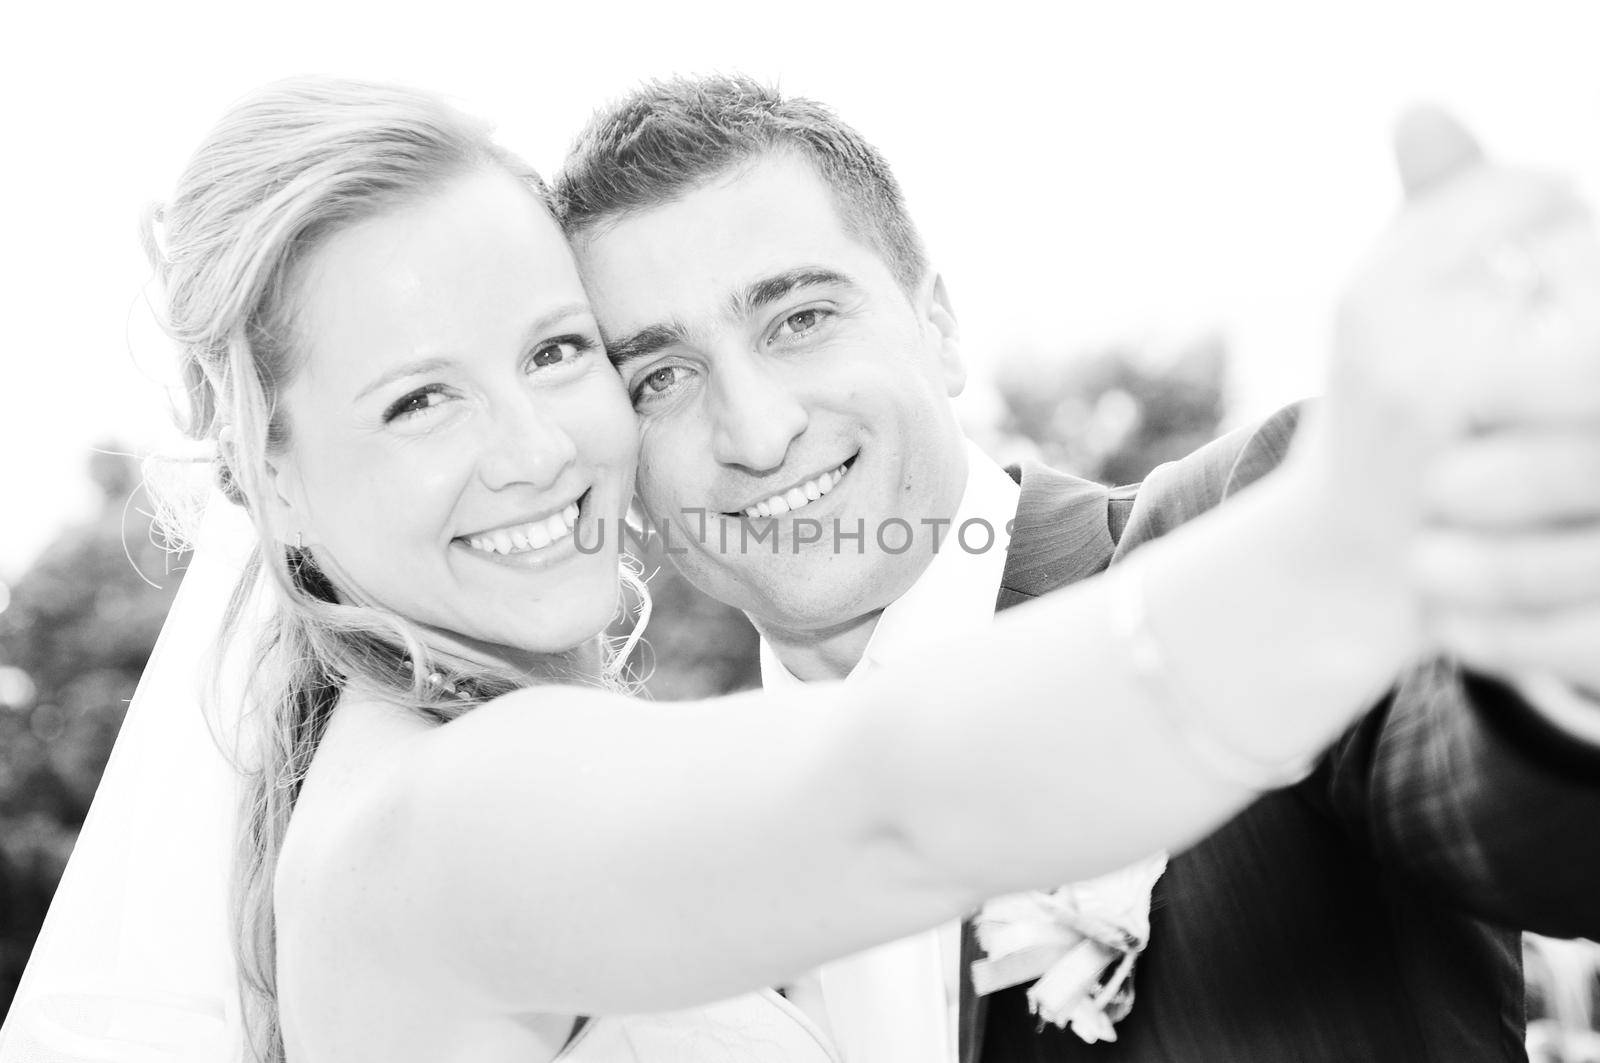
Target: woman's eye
(414, 403)
(559, 352)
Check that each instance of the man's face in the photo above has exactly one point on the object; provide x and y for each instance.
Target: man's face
(767, 351)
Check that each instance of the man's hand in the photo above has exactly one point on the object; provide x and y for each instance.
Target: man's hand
(1427, 327)
(1508, 561)
(1458, 451)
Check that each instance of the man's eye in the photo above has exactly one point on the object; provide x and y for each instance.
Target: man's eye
(414, 403)
(559, 352)
(801, 321)
(659, 381)
(662, 378)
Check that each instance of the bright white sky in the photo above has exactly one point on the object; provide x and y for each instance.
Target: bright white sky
(1137, 170)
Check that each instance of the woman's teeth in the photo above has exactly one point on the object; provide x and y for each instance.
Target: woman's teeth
(522, 538)
(796, 497)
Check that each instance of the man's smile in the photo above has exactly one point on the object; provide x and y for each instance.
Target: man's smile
(797, 496)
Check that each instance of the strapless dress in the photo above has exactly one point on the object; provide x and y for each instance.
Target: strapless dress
(755, 1028)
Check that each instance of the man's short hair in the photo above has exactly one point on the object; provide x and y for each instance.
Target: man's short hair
(671, 137)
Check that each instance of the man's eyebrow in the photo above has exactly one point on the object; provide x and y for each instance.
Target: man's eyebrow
(643, 344)
(653, 338)
(537, 329)
(771, 289)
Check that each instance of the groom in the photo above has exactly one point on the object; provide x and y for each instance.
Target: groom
(769, 305)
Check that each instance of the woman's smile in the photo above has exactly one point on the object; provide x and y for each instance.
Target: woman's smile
(455, 393)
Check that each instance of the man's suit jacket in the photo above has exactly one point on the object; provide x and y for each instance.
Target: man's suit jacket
(1367, 913)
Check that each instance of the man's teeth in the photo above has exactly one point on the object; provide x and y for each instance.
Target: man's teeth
(795, 497)
(521, 538)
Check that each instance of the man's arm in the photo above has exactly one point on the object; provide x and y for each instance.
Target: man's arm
(1454, 778)
(1448, 782)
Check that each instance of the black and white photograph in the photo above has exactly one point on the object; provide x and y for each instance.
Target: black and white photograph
(829, 533)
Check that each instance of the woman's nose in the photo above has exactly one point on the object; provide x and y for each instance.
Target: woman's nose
(525, 444)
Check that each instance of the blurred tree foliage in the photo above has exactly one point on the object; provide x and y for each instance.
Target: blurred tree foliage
(1115, 414)
(74, 637)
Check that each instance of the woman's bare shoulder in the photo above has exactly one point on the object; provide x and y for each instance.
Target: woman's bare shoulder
(330, 976)
(365, 733)
(366, 742)
(371, 751)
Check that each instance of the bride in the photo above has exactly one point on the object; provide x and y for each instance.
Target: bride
(461, 838)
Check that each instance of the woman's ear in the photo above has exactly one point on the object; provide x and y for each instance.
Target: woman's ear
(284, 508)
(941, 317)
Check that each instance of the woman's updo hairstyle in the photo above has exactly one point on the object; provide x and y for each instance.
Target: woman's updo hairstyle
(285, 168)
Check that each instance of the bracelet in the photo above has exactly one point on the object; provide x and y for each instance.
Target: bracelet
(1145, 658)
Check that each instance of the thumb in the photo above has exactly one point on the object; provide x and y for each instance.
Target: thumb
(1431, 148)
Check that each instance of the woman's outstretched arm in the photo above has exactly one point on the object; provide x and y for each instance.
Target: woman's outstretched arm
(573, 852)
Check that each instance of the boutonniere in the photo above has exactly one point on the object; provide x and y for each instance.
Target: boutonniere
(1077, 944)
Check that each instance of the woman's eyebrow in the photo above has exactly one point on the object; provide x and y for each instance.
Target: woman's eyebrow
(538, 327)
(400, 372)
(548, 320)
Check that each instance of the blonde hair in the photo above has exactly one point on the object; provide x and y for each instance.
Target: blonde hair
(286, 168)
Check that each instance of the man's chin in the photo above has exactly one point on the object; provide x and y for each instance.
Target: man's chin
(821, 598)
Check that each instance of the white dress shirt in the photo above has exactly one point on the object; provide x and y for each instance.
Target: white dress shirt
(899, 1002)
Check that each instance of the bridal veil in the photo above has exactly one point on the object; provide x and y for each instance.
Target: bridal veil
(134, 962)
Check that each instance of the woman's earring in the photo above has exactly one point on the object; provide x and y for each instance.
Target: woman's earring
(636, 522)
(300, 541)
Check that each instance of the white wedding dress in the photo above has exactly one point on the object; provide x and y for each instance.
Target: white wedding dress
(755, 1028)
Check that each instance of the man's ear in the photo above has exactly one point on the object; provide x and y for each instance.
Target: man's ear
(941, 317)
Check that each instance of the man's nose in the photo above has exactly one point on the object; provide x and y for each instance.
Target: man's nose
(524, 443)
(754, 417)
